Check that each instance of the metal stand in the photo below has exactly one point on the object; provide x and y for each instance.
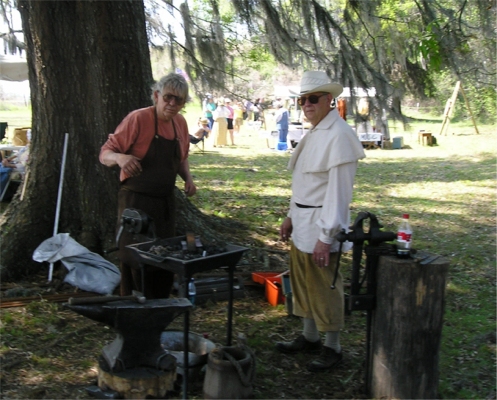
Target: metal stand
(357, 300)
(185, 269)
(137, 221)
(186, 321)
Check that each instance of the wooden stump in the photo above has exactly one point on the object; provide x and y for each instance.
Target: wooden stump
(138, 383)
(407, 328)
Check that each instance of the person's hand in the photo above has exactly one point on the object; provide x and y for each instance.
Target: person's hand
(6, 163)
(321, 254)
(129, 164)
(286, 229)
(190, 188)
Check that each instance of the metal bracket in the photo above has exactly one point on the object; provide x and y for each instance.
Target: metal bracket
(360, 302)
(429, 260)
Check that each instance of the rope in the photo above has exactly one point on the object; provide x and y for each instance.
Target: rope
(246, 379)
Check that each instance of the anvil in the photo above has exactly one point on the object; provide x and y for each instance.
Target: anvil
(139, 327)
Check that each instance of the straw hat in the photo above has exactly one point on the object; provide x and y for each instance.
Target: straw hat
(318, 81)
(204, 120)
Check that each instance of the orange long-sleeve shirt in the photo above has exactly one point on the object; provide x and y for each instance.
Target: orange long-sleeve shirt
(136, 131)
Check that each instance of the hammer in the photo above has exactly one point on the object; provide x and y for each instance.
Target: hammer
(137, 296)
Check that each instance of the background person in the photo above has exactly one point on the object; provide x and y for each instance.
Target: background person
(209, 107)
(202, 132)
(5, 171)
(238, 112)
(323, 169)
(249, 113)
(150, 146)
(220, 127)
(14, 166)
(282, 118)
(256, 109)
(229, 119)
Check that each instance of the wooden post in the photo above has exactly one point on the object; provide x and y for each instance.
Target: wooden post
(469, 109)
(406, 329)
(449, 108)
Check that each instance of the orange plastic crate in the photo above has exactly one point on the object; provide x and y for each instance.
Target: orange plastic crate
(274, 292)
(273, 286)
(260, 277)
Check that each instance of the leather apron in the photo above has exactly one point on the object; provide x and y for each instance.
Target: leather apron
(153, 193)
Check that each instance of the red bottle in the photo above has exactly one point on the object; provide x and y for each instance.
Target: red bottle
(404, 238)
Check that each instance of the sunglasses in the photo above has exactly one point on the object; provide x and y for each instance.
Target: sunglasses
(313, 99)
(177, 99)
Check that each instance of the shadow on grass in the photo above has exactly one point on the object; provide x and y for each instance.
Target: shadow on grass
(409, 170)
(424, 120)
(241, 191)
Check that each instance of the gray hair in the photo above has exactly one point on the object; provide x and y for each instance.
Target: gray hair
(173, 81)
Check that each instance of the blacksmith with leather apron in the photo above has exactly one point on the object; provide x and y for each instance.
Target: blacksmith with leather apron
(151, 147)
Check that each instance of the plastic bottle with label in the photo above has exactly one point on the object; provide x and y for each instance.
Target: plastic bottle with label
(192, 291)
(404, 238)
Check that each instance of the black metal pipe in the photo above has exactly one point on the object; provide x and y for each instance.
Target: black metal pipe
(186, 347)
(230, 305)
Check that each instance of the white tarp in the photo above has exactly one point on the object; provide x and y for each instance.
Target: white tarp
(87, 271)
(13, 68)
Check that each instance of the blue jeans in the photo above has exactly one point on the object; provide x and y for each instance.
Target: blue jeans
(283, 133)
(4, 177)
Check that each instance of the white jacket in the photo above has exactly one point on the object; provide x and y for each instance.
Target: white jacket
(323, 170)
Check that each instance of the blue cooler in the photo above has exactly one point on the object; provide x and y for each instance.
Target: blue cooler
(282, 146)
(397, 142)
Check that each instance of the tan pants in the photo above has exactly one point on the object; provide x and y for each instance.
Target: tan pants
(312, 295)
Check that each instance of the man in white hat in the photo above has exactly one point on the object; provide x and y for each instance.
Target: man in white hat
(323, 169)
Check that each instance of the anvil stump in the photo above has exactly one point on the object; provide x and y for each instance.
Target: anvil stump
(407, 328)
(136, 359)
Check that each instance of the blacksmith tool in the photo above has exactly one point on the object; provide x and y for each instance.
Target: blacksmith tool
(134, 221)
(139, 327)
(376, 247)
(429, 260)
(190, 241)
(136, 296)
(358, 236)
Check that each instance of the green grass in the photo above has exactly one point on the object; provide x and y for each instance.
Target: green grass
(449, 190)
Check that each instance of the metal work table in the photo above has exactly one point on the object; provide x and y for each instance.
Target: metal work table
(185, 270)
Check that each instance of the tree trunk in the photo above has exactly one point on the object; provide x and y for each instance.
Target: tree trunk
(89, 66)
(407, 328)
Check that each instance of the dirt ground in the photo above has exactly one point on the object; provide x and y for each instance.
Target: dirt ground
(52, 353)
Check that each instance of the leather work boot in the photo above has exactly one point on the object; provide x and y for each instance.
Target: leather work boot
(326, 360)
(299, 345)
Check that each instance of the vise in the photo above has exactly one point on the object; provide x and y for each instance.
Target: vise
(375, 247)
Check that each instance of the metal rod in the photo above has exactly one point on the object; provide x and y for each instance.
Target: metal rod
(230, 305)
(186, 347)
(370, 273)
(59, 198)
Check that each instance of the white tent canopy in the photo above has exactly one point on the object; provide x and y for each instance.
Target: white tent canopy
(13, 68)
(293, 91)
